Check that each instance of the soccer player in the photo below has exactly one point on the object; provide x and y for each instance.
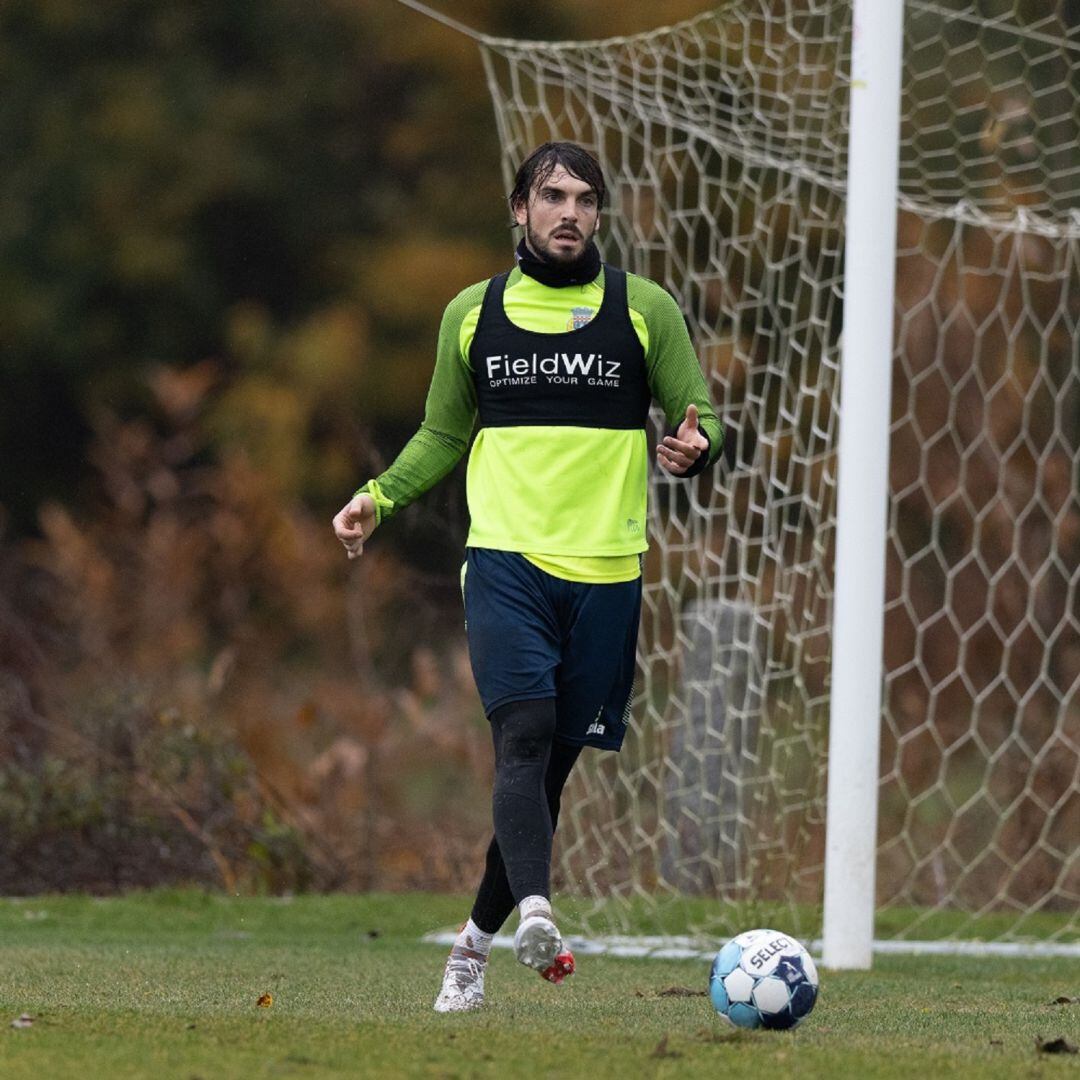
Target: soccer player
(558, 359)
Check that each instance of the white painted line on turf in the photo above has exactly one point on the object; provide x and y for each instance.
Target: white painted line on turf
(1022, 949)
(679, 947)
(656, 948)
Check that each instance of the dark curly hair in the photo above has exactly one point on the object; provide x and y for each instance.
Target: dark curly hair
(544, 160)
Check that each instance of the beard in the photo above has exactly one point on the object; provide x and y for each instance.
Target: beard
(548, 252)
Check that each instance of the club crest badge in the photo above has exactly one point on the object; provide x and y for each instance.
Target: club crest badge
(579, 317)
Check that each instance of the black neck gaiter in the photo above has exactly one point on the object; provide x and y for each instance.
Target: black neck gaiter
(579, 272)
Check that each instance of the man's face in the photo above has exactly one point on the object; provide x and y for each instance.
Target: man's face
(560, 218)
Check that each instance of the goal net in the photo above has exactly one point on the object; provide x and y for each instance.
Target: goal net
(724, 142)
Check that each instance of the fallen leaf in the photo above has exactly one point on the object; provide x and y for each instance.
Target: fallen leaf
(662, 1050)
(265, 1001)
(1055, 1046)
(23, 1021)
(680, 991)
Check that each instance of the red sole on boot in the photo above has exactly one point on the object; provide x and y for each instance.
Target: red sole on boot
(562, 966)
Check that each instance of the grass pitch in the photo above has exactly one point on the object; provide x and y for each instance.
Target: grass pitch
(168, 985)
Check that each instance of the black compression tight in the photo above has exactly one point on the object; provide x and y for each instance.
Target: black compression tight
(531, 770)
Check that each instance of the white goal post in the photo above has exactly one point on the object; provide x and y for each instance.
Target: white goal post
(863, 479)
(777, 616)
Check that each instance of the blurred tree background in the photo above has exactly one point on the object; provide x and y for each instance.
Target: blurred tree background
(228, 235)
(227, 238)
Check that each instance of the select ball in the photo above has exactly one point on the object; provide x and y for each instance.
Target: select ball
(763, 978)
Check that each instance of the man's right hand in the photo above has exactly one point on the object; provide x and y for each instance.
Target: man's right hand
(354, 523)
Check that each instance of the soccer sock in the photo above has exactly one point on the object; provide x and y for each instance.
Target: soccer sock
(472, 941)
(534, 905)
(494, 900)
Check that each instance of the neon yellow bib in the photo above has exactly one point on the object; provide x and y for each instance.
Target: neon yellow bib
(571, 499)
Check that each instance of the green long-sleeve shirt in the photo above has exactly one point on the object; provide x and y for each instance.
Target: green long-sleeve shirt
(674, 376)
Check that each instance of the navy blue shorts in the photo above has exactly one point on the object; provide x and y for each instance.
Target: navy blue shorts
(532, 635)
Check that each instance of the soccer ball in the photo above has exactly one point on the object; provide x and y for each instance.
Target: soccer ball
(763, 978)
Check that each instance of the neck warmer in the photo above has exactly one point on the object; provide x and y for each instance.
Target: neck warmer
(558, 276)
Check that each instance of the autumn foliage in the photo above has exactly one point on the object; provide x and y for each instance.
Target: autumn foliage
(200, 689)
(229, 234)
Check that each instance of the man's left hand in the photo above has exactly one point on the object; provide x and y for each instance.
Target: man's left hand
(676, 453)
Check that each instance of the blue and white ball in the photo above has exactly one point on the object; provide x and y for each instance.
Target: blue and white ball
(763, 978)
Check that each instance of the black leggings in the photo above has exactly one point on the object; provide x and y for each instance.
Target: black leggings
(531, 770)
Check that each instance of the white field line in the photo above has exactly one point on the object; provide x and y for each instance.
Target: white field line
(688, 948)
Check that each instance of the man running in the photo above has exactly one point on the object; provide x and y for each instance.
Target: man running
(559, 358)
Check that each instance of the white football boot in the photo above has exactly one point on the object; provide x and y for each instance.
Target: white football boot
(463, 982)
(539, 945)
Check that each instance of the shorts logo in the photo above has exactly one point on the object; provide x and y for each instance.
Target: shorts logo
(579, 317)
(597, 726)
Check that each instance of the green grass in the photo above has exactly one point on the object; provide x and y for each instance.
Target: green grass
(165, 985)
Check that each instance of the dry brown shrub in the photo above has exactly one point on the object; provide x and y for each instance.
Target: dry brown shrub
(196, 685)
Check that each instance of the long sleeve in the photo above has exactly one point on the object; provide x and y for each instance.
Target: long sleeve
(675, 376)
(449, 416)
